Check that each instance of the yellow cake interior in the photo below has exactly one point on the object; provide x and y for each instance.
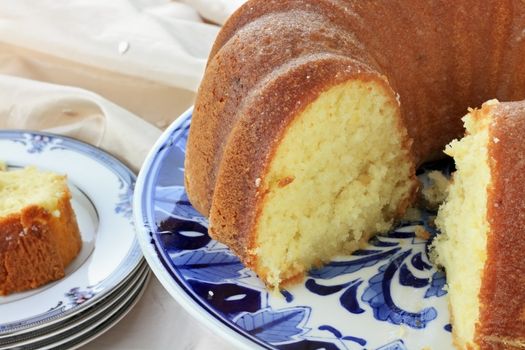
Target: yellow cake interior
(29, 186)
(339, 175)
(436, 192)
(462, 219)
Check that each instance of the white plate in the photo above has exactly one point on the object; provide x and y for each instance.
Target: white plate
(386, 296)
(102, 188)
(101, 328)
(105, 305)
(87, 331)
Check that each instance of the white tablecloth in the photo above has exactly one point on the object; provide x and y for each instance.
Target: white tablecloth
(114, 74)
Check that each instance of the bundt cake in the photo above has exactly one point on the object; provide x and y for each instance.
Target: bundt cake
(313, 115)
(482, 221)
(39, 234)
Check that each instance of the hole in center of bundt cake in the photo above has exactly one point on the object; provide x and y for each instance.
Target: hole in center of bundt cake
(340, 174)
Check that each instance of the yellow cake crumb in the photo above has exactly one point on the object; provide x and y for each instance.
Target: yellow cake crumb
(357, 173)
(18, 188)
(462, 219)
(436, 192)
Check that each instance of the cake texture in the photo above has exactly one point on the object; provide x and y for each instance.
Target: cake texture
(435, 193)
(313, 115)
(39, 234)
(482, 221)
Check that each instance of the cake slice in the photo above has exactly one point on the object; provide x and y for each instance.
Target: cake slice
(483, 230)
(331, 172)
(39, 234)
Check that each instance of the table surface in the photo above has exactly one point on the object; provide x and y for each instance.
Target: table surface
(158, 322)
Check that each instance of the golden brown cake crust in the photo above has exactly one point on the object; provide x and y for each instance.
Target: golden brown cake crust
(434, 56)
(502, 295)
(234, 213)
(273, 57)
(218, 110)
(36, 246)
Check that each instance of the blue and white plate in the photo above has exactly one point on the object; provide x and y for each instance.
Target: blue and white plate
(102, 190)
(387, 296)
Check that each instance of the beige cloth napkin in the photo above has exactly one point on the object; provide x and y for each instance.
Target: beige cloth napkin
(147, 56)
(28, 104)
(113, 74)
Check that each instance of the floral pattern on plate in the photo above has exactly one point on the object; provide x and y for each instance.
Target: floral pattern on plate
(385, 296)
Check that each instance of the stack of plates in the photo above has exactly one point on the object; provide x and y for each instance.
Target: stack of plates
(108, 276)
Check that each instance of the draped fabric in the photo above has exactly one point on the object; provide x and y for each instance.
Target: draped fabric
(113, 74)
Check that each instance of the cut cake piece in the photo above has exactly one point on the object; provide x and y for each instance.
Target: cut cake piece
(39, 234)
(337, 172)
(482, 222)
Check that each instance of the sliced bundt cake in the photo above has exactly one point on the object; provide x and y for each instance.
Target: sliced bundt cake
(313, 114)
(340, 173)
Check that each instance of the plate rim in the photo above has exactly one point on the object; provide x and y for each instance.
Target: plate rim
(87, 317)
(84, 316)
(151, 254)
(129, 263)
(102, 322)
(113, 320)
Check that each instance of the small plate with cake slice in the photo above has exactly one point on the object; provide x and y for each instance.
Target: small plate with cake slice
(68, 242)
